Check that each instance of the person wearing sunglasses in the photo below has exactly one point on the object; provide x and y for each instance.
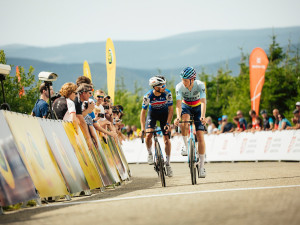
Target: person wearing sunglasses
(160, 102)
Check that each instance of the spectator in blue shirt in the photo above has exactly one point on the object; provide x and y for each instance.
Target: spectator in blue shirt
(268, 122)
(220, 123)
(41, 106)
(283, 122)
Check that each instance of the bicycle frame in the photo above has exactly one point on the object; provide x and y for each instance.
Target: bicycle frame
(191, 142)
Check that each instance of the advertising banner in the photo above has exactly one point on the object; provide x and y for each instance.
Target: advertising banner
(87, 71)
(64, 155)
(258, 63)
(36, 154)
(111, 68)
(21, 91)
(83, 155)
(101, 162)
(15, 183)
(110, 160)
(118, 162)
(123, 158)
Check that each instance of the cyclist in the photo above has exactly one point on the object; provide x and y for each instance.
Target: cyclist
(160, 103)
(191, 100)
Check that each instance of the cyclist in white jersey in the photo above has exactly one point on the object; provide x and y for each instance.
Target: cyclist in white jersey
(191, 100)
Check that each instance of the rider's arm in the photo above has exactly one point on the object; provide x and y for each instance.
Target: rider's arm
(143, 118)
(178, 108)
(203, 107)
(170, 114)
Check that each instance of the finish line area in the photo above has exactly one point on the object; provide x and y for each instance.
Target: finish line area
(232, 193)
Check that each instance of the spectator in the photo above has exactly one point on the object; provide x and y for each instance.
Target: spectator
(267, 121)
(41, 106)
(135, 131)
(275, 114)
(296, 113)
(237, 123)
(210, 125)
(242, 121)
(107, 108)
(258, 123)
(219, 123)
(283, 122)
(84, 92)
(252, 114)
(226, 126)
(99, 110)
(298, 105)
(64, 106)
(128, 131)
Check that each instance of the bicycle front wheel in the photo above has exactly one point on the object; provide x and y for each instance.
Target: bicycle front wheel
(192, 164)
(160, 164)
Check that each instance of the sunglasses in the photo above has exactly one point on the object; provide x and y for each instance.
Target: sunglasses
(100, 96)
(163, 86)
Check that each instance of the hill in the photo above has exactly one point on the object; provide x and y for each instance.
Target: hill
(195, 49)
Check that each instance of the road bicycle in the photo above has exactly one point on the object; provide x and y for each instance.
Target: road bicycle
(192, 152)
(159, 165)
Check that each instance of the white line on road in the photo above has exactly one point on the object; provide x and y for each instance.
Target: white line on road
(172, 194)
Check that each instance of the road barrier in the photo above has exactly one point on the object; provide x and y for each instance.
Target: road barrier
(245, 146)
(41, 158)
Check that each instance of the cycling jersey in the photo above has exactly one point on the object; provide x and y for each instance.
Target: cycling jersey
(191, 98)
(158, 103)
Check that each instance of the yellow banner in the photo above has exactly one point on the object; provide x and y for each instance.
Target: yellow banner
(110, 159)
(83, 155)
(111, 68)
(36, 154)
(86, 70)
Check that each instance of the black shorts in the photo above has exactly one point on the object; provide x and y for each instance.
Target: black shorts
(152, 117)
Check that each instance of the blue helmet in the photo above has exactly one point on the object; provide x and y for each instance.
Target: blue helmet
(188, 73)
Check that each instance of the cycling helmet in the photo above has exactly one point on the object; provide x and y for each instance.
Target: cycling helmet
(157, 80)
(188, 73)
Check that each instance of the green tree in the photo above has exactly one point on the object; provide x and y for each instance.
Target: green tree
(12, 86)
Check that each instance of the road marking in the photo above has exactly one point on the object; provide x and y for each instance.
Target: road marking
(172, 194)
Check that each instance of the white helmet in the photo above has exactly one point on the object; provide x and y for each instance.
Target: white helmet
(157, 80)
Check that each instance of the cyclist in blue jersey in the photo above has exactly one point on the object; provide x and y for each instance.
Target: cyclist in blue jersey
(160, 103)
(191, 100)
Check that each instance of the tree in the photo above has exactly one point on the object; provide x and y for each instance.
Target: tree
(12, 86)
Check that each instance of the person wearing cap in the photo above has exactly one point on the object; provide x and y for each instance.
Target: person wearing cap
(226, 126)
(219, 123)
(242, 121)
(296, 120)
(268, 122)
(84, 92)
(298, 105)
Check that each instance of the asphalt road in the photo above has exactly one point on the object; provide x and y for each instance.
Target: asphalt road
(232, 193)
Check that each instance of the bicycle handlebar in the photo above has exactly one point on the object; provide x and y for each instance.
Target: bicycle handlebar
(149, 132)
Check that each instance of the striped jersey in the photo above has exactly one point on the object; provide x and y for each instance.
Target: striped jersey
(157, 103)
(191, 98)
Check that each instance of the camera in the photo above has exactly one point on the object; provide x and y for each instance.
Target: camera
(55, 96)
(85, 104)
(47, 76)
(5, 69)
(106, 106)
(101, 115)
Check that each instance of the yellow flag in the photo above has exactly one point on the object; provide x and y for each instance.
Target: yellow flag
(111, 68)
(86, 70)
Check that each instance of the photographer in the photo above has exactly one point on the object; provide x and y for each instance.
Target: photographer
(41, 107)
(117, 113)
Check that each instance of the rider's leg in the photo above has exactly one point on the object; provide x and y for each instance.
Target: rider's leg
(184, 129)
(149, 141)
(201, 147)
(167, 148)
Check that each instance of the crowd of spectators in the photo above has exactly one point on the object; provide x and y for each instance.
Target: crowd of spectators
(257, 123)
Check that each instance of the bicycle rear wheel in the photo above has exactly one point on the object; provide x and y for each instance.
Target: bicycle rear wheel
(192, 163)
(160, 164)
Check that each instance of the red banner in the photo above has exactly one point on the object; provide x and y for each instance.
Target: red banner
(258, 63)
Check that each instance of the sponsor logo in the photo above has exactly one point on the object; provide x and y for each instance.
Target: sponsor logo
(110, 56)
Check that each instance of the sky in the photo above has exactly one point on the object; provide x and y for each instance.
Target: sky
(56, 22)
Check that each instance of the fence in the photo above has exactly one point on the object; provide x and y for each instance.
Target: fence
(246, 146)
(42, 158)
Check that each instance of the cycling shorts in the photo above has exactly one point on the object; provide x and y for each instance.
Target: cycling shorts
(195, 112)
(152, 117)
